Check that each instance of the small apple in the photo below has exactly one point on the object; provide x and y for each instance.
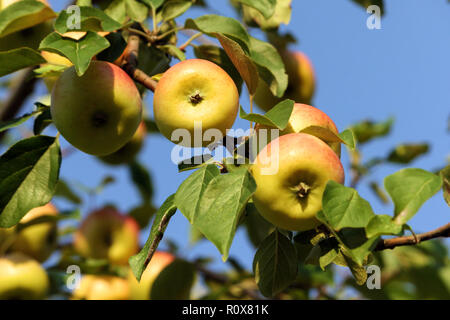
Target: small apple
(302, 117)
(142, 290)
(129, 151)
(195, 90)
(101, 287)
(290, 197)
(98, 112)
(37, 241)
(54, 59)
(301, 84)
(22, 278)
(107, 234)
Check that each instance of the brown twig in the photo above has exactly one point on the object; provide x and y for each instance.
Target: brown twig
(21, 88)
(131, 60)
(384, 244)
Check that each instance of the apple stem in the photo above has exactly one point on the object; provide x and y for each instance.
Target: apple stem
(196, 99)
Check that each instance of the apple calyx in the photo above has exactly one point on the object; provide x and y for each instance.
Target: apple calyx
(99, 119)
(196, 98)
(302, 190)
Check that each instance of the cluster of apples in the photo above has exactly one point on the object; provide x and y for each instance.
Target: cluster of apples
(104, 234)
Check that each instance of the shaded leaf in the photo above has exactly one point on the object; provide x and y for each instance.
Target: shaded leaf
(174, 282)
(277, 117)
(405, 153)
(265, 7)
(16, 59)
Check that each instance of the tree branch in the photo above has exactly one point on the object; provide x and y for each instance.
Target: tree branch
(21, 88)
(384, 244)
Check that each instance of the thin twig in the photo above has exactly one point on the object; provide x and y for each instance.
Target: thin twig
(189, 41)
(21, 88)
(384, 244)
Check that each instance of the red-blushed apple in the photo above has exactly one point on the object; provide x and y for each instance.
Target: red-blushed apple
(301, 85)
(101, 287)
(291, 195)
(129, 151)
(37, 241)
(98, 112)
(107, 234)
(195, 90)
(302, 117)
(22, 278)
(142, 290)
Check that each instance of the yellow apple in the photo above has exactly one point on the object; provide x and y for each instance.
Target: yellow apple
(195, 90)
(302, 117)
(39, 240)
(128, 152)
(98, 112)
(55, 59)
(301, 84)
(101, 287)
(290, 195)
(142, 290)
(22, 278)
(107, 234)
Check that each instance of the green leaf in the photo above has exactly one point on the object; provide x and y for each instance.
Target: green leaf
(43, 120)
(136, 11)
(91, 19)
(174, 282)
(445, 175)
(368, 130)
(329, 250)
(142, 180)
(155, 4)
(358, 272)
(18, 121)
(219, 57)
(64, 191)
(367, 3)
(265, 7)
(244, 65)
(173, 51)
(277, 117)
(173, 9)
(257, 227)
(348, 138)
(354, 240)
(271, 68)
(275, 264)
(22, 15)
(29, 173)
(282, 15)
(406, 153)
(139, 262)
(16, 59)
(382, 225)
(116, 48)
(214, 24)
(213, 203)
(344, 208)
(409, 189)
(80, 52)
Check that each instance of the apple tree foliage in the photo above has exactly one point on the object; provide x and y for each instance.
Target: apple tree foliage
(217, 197)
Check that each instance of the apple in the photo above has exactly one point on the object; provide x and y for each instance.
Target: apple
(129, 151)
(301, 84)
(107, 234)
(302, 117)
(98, 112)
(142, 290)
(54, 59)
(37, 241)
(195, 90)
(290, 196)
(22, 278)
(101, 287)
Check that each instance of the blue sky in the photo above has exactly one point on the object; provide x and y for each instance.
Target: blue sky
(401, 70)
